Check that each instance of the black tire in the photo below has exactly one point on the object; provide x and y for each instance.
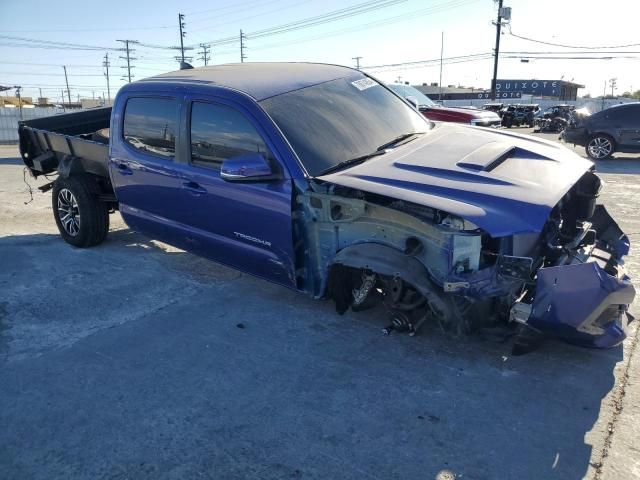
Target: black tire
(600, 147)
(82, 219)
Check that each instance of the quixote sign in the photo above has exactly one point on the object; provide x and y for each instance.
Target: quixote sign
(535, 87)
(499, 94)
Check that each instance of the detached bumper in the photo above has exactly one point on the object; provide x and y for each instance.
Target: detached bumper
(582, 304)
(585, 302)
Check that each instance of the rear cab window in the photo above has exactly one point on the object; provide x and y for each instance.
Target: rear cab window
(219, 132)
(151, 125)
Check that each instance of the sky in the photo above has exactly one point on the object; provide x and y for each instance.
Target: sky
(388, 32)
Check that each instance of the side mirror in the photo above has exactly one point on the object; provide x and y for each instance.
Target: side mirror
(412, 100)
(248, 167)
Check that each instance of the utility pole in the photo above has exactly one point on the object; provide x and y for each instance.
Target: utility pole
(242, 47)
(441, 52)
(106, 65)
(357, 59)
(182, 35)
(128, 58)
(497, 49)
(62, 94)
(205, 53)
(67, 82)
(613, 83)
(19, 99)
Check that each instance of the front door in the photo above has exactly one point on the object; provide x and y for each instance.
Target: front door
(246, 225)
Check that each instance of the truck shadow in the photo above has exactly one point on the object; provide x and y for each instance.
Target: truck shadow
(619, 165)
(329, 395)
(11, 161)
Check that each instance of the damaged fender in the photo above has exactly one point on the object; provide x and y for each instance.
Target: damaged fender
(385, 260)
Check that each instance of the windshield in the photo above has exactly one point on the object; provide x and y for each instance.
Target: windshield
(343, 119)
(408, 91)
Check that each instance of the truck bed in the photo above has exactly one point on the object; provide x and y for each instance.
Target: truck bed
(46, 142)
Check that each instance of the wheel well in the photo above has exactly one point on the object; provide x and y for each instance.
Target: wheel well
(602, 134)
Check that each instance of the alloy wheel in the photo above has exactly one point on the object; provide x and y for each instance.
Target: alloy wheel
(600, 147)
(68, 212)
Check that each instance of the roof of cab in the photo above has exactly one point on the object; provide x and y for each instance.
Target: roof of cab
(258, 80)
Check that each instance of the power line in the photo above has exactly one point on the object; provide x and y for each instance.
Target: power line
(235, 6)
(71, 30)
(50, 74)
(243, 18)
(312, 21)
(572, 46)
(50, 43)
(329, 17)
(46, 64)
(475, 56)
(378, 23)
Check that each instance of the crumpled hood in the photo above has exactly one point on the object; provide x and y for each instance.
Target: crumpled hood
(503, 182)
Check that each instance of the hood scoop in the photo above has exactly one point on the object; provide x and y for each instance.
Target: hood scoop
(487, 157)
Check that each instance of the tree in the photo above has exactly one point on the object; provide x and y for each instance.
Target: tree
(635, 94)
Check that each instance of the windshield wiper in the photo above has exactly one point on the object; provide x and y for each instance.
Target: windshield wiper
(381, 150)
(351, 162)
(398, 139)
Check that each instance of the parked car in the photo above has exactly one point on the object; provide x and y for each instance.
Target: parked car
(562, 110)
(435, 112)
(614, 129)
(517, 115)
(553, 119)
(319, 178)
(493, 107)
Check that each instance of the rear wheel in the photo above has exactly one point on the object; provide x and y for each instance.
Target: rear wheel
(599, 147)
(82, 219)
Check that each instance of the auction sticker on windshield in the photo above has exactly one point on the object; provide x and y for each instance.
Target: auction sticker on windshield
(364, 83)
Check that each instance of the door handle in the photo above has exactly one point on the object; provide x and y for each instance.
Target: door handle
(124, 169)
(194, 188)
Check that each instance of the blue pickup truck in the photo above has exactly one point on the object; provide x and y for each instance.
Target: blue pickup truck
(321, 179)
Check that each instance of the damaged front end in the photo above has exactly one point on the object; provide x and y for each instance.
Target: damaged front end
(582, 292)
(424, 264)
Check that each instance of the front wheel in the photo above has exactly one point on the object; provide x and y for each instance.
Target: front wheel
(82, 219)
(599, 147)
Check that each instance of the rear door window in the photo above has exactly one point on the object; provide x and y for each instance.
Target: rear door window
(151, 125)
(219, 132)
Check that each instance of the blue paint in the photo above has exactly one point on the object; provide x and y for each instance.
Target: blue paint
(571, 302)
(504, 183)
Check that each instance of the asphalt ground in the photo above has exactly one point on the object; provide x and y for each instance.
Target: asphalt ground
(134, 360)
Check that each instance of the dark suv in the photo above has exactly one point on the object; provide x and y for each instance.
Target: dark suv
(615, 129)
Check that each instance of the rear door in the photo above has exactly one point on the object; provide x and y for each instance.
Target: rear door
(144, 166)
(629, 123)
(243, 224)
